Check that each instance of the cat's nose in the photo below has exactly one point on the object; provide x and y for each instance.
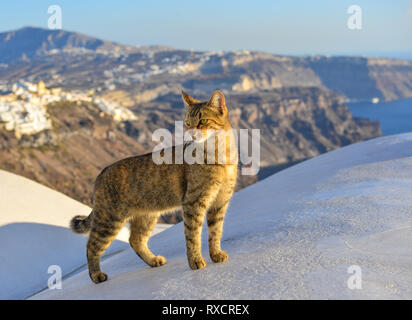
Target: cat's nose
(189, 135)
(193, 134)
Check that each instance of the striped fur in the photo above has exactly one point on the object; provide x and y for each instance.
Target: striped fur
(137, 190)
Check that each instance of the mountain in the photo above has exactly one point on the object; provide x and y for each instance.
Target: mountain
(30, 43)
(307, 230)
(72, 60)
(295, 124)
(360, 78)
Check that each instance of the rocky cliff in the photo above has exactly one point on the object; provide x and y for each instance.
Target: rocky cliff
(295, 124)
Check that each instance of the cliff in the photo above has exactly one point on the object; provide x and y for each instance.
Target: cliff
(295, 124)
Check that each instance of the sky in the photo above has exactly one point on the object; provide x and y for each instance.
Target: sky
(293, 27)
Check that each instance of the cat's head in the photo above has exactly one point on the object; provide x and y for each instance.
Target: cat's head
(202, 118)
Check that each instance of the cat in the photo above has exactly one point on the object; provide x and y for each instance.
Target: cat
(138, 191)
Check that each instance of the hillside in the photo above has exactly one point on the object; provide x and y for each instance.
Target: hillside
(305, 226)
(30, 43)
(34, 232)
(295, 124)
(72, 60)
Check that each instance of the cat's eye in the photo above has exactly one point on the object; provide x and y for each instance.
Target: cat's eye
(203, 121)
(187, 123)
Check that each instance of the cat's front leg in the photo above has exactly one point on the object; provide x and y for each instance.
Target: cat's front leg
(193, 216)
(194, 209)
(215, 218)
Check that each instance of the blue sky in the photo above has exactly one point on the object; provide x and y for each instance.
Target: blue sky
(284, 27)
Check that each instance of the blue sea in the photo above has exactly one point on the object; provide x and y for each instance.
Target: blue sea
(394, 117)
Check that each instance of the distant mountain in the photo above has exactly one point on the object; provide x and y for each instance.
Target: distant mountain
(72, 60)
(30, 43)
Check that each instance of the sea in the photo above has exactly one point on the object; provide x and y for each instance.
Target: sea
(395, 116)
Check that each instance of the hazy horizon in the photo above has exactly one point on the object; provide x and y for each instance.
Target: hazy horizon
(289, 28)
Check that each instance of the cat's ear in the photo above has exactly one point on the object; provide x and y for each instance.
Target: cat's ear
(188, 100)
(217, 100)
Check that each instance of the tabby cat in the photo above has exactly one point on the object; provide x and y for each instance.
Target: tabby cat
(138, 191)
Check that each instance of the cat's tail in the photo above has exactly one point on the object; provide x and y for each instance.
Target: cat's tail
(81, 224)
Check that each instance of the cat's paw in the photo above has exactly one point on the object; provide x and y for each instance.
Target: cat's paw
(219, 256)
(157, 261)
(98, 277)
(197, 263)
